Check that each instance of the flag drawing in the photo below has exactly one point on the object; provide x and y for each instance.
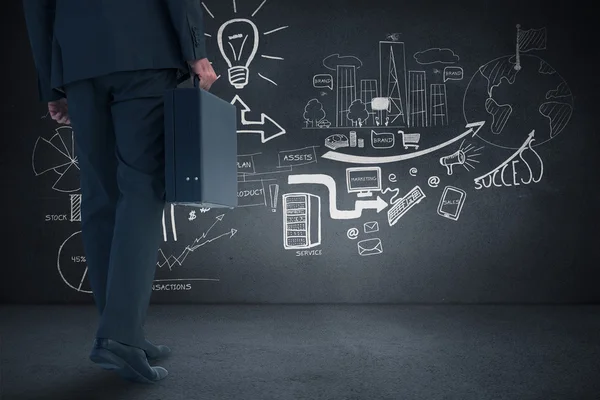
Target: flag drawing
(531, 39)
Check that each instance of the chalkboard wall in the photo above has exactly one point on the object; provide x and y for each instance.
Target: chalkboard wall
(389, 151)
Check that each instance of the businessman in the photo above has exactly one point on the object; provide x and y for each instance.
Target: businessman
(103, 67)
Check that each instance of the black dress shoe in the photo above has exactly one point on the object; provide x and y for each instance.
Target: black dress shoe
(154, 352)
(127, 361)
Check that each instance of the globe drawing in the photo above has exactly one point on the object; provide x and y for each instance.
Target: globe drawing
(514, 101)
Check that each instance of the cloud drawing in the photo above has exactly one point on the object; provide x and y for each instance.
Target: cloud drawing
(332, 61)
(436, 55)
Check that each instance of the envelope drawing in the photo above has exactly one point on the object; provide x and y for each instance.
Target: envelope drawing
(369, 247)
(371, 227)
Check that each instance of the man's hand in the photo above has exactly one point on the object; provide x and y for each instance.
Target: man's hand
(59, 111)
(205, 72)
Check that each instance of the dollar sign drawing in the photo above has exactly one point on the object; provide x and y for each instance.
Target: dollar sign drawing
(192, 215)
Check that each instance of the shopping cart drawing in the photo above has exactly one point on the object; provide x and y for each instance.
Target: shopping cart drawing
(410, 139)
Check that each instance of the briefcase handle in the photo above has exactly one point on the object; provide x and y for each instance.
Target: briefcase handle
(196, 80)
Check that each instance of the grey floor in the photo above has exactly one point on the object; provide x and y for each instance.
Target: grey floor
(316, 352)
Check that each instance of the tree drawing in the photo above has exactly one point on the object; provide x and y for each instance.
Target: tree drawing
(313, 112)
(358, 112)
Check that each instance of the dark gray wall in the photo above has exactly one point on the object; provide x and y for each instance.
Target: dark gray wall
(530, 237)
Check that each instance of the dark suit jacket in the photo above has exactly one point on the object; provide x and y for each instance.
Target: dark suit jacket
(80, 39)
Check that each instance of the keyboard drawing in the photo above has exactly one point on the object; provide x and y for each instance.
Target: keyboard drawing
(404, 204)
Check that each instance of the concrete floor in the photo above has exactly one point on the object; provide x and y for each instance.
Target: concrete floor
(281, 352)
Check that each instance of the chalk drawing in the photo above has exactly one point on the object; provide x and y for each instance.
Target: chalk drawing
(301, 220)
(327, 181)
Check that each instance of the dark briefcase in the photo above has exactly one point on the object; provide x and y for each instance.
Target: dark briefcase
(200, 148)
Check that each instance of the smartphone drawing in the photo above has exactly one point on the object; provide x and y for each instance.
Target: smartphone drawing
(451, 202)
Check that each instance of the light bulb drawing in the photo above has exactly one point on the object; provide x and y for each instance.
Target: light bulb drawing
(238, 42)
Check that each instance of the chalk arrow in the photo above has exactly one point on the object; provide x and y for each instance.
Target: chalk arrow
(217, 219)
(472, 128)
(328, 182)
(198, 244)
(172, 260)
(475, 126)
(266, 126)
(378, 204)
(509, 159)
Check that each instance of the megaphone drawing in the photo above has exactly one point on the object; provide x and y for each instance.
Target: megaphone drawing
(456, 158)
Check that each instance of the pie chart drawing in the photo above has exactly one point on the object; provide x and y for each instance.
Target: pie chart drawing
(71, 264)
(56, 156)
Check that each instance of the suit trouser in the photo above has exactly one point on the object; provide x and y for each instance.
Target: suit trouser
(118, 123)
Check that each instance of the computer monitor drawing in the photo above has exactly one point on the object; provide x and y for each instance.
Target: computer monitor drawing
(363, 180)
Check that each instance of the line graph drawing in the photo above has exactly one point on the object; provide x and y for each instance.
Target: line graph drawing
(72, 263)
(56, 156)
(200, 241)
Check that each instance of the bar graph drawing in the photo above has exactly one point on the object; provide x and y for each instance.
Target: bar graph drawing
(75, 207)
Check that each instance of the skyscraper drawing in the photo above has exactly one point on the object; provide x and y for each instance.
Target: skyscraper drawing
(438, 111)
(368, 90)
(346, 93)
(417, 99)
(392, 76)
